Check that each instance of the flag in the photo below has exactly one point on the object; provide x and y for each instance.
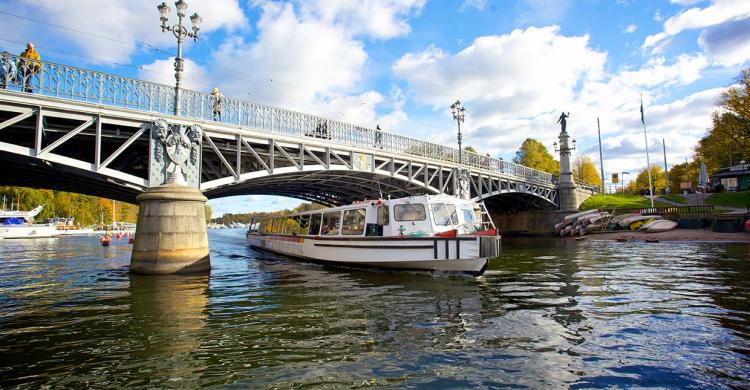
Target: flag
(642, 121)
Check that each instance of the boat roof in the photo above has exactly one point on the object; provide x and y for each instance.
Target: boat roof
(372, 202)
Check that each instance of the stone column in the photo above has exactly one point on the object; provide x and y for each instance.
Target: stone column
(171, 233)
(567, 186)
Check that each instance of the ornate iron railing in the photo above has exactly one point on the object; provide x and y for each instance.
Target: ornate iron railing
(69, 82)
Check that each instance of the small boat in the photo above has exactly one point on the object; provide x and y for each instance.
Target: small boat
(426, 232)
(660, 225)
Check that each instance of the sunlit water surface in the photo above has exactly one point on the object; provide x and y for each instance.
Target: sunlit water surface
(548, 313)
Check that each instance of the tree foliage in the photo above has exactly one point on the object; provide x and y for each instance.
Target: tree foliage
(534, 154)
(585, 172)
(730, 131)
(683, 173)
(256, 215)
(640, 184)
(86, 209)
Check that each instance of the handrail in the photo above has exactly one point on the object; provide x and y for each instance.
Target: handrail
(69, 82)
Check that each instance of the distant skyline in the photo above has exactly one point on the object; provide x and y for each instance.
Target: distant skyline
(515, 65)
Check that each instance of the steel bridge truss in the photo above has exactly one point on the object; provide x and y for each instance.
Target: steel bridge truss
(104, 151)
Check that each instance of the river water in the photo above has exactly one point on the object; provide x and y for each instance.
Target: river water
(548, 313)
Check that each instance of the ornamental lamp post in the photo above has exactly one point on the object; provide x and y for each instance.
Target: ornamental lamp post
(179, 32)
(459, 114)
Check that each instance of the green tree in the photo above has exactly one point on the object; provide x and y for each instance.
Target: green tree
(469, 148)
(730, 131)
(534, 154)
(585, 172)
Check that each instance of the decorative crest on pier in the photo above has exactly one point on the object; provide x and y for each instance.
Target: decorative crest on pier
(182, 145)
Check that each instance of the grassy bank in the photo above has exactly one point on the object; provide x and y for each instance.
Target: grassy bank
(676, 198)
(617, 201)
(731, 199)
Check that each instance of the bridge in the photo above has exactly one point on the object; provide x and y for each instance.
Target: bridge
(85, 131)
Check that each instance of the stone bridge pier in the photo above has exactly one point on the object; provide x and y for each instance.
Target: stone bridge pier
(171, 234)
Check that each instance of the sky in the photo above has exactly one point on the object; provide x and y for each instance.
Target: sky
(515, 65)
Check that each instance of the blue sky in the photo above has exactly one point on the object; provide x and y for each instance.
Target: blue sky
(401, 63)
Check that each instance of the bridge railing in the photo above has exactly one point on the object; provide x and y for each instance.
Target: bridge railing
(69, 82)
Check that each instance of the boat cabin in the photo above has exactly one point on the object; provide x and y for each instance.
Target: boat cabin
(423, 215)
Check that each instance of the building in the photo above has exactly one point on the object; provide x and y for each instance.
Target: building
(734, 178)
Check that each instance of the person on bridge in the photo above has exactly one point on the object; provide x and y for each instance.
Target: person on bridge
(378, 137)
(217, 100)
(28, 66)
(7, 70)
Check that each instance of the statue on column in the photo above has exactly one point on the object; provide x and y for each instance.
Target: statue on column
(562, 121)
(182, 146)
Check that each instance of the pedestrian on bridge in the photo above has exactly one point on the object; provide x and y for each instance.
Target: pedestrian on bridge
(29, 64)
(378, 137)
(216, 100)
(7, 70)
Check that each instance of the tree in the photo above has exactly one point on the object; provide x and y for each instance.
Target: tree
(682, 173)
(207, 210)
(534, 154)
(640, 184)
(470, 149)
(730, 133)
(585, 172)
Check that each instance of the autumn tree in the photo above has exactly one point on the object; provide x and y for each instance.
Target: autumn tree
(641, 181)
(585, 172)
(729, 137)
(686, 172)
(534, 154)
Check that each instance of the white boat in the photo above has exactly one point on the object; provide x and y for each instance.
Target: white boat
(660, 225)
(28, 230)
(26, 216)
(427, 232)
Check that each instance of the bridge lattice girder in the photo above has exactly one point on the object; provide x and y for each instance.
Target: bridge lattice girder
(105, 151)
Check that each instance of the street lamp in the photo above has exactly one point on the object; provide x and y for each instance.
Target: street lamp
(622, 175)
(564, 150)
(459, 114)
(179, 32)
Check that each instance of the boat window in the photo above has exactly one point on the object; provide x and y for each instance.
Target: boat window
(315, 224)
(409, 212)
(354, 222)
(383, 215)
(292, 226)
(468, 215)
(444, 215)
(304, 223)
(331, 223)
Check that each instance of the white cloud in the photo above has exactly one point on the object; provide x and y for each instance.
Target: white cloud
(87, 21)
(478, 4)
(683, 71)
(194, 76)
(696, 18)
(630, 28)
(498, 73)
(380, 19)
(727, 44)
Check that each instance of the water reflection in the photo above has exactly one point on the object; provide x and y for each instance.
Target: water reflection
(168, 317)
(548, 313)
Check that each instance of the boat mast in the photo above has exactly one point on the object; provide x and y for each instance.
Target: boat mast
(114, 218)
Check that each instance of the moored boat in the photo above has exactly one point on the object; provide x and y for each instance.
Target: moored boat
(427, 232)
(28, 230)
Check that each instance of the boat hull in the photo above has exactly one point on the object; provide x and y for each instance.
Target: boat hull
(446, 254)
(28, 231)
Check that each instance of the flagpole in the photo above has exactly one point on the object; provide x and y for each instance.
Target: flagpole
(666, 172)
(601, 159)
(648, 160)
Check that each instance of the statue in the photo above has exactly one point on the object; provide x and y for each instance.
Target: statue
(181, 145)
(562, 120)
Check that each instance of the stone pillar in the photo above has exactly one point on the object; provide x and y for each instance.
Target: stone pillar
(171, 233)
(566, 186)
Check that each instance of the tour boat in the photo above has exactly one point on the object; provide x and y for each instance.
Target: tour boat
(427, 232)
(16, 224)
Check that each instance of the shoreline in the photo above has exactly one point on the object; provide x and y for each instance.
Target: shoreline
(690, 235)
